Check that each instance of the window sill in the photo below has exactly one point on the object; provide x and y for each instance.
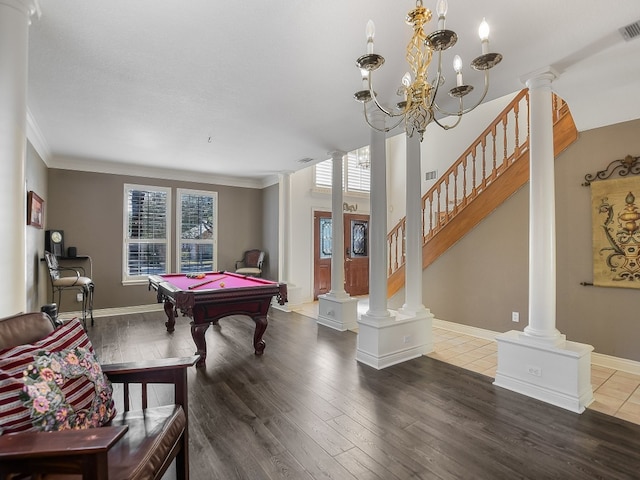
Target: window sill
(137, 281)
(326, 192)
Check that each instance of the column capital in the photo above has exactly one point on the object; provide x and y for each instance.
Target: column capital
(29, 7)
(336, 154)
(540, 78)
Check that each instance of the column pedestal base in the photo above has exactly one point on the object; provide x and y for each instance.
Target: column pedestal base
(559, 374)
(339, 313)
(386, 341)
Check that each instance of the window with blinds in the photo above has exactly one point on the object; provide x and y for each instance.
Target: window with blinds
(358, 173)
(197, 231)
(323, 174)
(146, 227)
(356, 176)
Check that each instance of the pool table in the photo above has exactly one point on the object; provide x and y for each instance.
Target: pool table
(213, 295)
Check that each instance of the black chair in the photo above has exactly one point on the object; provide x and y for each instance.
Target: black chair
(71, 278)
(251, 263)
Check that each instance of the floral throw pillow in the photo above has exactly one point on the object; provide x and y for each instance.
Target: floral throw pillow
(34, 367)
(42, 393)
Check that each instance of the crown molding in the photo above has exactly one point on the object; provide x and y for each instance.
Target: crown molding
(37, 140)
(120, 168)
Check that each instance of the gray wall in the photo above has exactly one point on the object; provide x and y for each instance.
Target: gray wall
(606, 318)
(484, 277)
(478, 282)
(38, 286)
(88, 208)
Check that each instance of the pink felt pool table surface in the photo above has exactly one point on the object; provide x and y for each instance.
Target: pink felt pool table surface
(214, 281)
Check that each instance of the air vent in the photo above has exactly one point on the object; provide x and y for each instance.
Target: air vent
(432, 175)
(630, 31)
(305, 160)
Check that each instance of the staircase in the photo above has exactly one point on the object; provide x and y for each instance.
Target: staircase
(494, 167)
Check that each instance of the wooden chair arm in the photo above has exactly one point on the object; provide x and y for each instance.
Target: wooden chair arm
(60, 443)
(167, 370)
(84, 451)
(143, 370)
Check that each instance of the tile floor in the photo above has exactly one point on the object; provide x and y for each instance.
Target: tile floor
(616, 392)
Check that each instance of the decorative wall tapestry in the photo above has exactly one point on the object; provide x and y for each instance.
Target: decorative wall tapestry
(616, 232)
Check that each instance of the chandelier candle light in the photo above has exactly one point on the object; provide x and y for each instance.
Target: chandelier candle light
(419, 107)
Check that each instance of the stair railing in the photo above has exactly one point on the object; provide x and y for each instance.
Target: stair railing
(501, 144)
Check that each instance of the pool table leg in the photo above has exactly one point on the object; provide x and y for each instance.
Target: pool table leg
(171, 316)
(197, 333)
(261, 326)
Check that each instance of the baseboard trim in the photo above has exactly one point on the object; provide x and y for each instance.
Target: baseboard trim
(600, 359)
(622, 364)
(466, 329)
(545, 393)
(390, 359)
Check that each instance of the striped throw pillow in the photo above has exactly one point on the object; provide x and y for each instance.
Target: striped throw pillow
(53, 384)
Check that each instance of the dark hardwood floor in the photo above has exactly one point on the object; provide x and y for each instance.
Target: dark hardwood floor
(307, 410)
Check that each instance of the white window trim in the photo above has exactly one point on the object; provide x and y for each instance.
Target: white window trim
(142, 279)
(179, 193)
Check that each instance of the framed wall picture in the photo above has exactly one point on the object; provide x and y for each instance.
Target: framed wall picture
(35, 210)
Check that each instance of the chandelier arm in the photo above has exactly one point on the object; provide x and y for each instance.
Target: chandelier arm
(461, 111)
(468, 109)
(397, 123)
(449, 127)
(380, 107)
(385, 129)
(437, 81)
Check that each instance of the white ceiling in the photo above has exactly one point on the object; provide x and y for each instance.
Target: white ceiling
(247, 89)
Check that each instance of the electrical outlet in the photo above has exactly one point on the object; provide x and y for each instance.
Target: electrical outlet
(406, 339)
(533, 370)
(78, 297)
(515, 316)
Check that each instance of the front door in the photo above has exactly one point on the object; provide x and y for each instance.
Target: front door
(356, 259)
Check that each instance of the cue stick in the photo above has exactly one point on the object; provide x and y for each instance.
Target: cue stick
(191, 287)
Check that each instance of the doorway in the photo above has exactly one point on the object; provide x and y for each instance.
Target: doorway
(356, 248)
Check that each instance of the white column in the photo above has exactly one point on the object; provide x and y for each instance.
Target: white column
(413, 230)
(386, 338)
(14, 40)
(378, 227)
(540, 362)
(285, 243)
(542, 212)
(337, 309)
(337, 228)
(285, 224)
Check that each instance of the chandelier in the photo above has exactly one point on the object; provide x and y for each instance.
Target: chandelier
(419, 107)
(363, 157)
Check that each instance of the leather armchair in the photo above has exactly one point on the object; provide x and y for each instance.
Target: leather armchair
(137, 444)
(251, 263)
